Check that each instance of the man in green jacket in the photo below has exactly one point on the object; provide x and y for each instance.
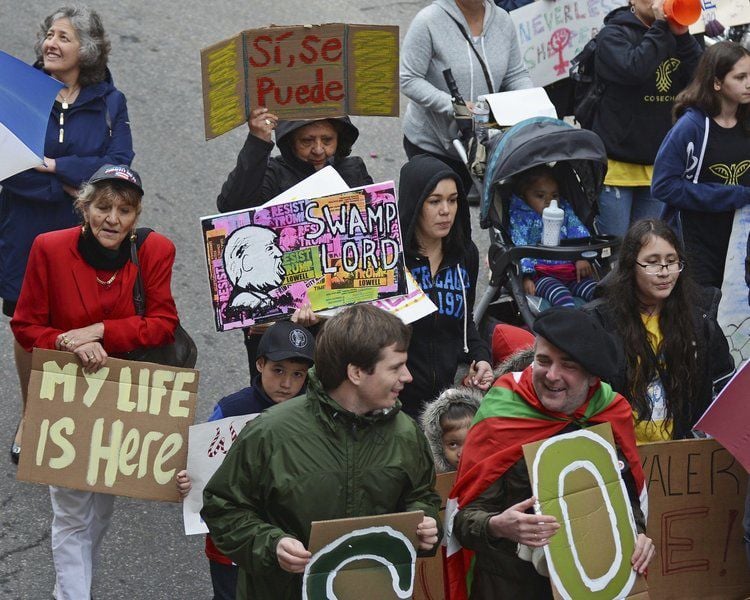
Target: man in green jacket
(342, 450)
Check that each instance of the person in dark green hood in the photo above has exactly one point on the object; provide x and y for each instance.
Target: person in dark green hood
(444, 262)
(342, 450)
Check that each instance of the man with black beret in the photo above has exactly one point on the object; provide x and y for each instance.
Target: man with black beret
(491, 504)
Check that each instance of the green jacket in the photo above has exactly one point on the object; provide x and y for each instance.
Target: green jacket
(308, 459)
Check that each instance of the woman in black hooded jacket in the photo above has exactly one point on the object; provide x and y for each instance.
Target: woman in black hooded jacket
(444, 262)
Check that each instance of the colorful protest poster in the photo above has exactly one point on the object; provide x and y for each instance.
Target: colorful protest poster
(301, 72)
(122, 430)
(734, 307)
(552, 33)
(728, 417)
(696, 497)
(208, 444)
(576, 478)
(363, 557)
(409, 307)
(336, 250)
(428, 583)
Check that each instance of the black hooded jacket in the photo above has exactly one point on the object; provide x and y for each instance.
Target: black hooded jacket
(437, 341)
(258, 177)
(644, 68)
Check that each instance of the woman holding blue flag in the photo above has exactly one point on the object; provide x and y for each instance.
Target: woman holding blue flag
(88, 127)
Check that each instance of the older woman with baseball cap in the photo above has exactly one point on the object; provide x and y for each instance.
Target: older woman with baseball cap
(77, 296)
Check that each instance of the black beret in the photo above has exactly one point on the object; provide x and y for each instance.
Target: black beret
(582, 338)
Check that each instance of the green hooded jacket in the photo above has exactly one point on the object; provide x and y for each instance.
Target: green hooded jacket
(308, 459)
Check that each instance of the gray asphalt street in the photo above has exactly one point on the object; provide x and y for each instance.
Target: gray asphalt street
(155, 62)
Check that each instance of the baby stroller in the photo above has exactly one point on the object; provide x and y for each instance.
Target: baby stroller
(579, 161)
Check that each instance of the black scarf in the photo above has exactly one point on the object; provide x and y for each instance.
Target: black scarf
(100, 257)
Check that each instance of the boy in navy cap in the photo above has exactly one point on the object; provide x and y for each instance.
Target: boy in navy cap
(284, 355)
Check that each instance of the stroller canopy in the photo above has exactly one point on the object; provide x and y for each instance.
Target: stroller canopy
(534, 142)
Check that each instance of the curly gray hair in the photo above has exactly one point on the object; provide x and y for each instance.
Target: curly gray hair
(95, 46)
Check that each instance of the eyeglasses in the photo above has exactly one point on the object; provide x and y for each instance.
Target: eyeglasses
(656, 268)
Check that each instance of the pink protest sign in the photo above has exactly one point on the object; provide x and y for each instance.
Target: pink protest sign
(728, 417)
(332, 251)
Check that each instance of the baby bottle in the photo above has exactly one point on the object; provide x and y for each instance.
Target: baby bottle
(552, 220)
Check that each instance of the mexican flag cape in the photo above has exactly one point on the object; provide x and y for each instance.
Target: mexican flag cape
(510, 416)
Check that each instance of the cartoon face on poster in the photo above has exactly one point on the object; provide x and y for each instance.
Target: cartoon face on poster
(332, 251)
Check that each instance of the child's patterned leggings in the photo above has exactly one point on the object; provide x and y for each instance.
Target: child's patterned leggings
(558, 293)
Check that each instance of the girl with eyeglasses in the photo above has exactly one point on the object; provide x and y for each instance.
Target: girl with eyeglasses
(674, 354)
(703, 167)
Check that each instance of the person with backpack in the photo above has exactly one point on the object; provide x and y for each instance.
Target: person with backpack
(88, 127)
(642, 61)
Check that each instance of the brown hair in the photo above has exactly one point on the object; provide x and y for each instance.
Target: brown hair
(356, 336)
(715, 64)
(526, 178)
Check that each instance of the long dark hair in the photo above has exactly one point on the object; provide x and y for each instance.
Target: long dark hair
(678, 344)
(715, 63)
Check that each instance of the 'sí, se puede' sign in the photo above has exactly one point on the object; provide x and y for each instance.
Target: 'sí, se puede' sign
(301, 72)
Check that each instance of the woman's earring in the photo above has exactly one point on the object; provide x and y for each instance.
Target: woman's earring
(83, 228)
(133, 236)
(632, 8)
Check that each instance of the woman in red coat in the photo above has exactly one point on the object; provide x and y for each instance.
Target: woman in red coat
(77, 296)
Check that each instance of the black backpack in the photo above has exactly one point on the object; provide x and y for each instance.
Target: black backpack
(587, 88)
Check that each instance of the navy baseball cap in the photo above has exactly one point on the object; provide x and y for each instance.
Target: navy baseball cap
(117, 173)
(284, 340)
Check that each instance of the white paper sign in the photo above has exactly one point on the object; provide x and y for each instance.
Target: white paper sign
(510, 108)
(208, 444)
(325, 182)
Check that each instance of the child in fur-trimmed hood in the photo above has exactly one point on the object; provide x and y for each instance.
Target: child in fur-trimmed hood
(446, 421)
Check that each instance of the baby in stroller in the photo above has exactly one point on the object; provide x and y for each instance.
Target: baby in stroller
(557, 281)
(573, 162)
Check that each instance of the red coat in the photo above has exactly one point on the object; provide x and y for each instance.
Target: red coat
(60, 293)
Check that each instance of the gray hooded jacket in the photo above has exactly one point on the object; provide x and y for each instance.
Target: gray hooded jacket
(434, 43)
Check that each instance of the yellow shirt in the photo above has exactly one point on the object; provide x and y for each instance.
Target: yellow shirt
(657, 428)
(624, 174)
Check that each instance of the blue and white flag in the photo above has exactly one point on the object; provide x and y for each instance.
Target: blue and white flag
(26, 99)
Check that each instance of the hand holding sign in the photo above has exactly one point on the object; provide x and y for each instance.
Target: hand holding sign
(517, 525)
(292, 555)
(262, 123)
(427, 533)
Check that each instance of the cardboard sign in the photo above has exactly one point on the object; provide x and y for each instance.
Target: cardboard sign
(364, 557)
(301, 72)
(576, 478)
(337, 250)
(429, 583)
(122, 430)
(696, 495)
(551, 33)
(734, 313)
(208, 444)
